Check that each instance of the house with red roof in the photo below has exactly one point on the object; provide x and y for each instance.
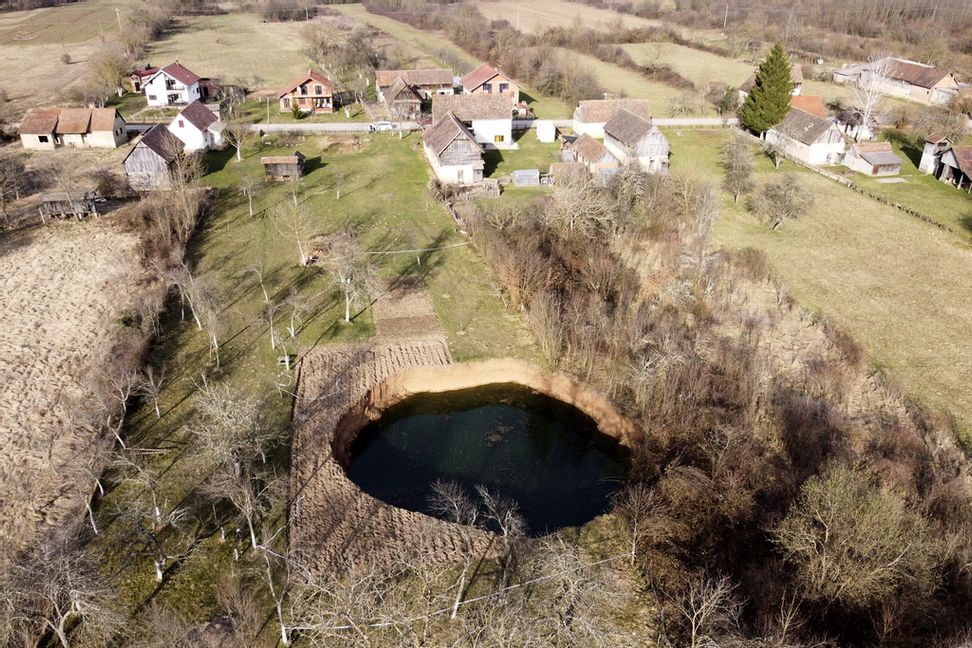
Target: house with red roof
(311, 93)
(198, 127)
(172, 85)
(488, 80)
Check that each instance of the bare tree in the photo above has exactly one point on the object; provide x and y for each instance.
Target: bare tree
(291, 222)
(150, 386)
(109, 67)
(449, 500)
(637, 505)
(12, 182)
(503, 513)
(782, 199)
(869, 92)
(238, 134)
(737, 161)
(52, 588)
(353, 273)
(252, 492)
(247, 185)
(708, 609)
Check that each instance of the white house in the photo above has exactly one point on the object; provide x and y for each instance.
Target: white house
(173, 84)
(901, 78)
(873, 159)
(931, 154)
(634, 140)
(808, 138)
(197, 125)
(452, 151)
(591, 115)
(488, 116)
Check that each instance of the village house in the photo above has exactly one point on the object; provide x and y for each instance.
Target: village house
(488, 80)
(426, 83)
(591, 115)
(48, 128)
(956, 167)
(198, 126)
(402, 101)
(851, 122)
(796, 77)
(812, 104)
(455, 155)
(312, 93)
(176, 84)
(149, 164)
(807, 138)
(635, 140)
(489, 117)
(903, 79)
(592, 154)
(873, 159)
(931, 154)
(280, 168)
(140, 75)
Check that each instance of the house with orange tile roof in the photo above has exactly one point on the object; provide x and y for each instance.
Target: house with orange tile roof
(311, 93)
(488, 80)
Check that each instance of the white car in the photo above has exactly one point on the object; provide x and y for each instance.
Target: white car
(383, 126)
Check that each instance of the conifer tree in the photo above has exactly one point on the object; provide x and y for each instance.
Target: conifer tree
(769, 99)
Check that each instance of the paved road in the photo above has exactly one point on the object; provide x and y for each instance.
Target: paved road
(324, 127)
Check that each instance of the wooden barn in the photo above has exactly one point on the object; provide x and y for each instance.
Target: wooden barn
(631, 138)
(149, 164)
(279, 168)
(403, 101)
(60, 204)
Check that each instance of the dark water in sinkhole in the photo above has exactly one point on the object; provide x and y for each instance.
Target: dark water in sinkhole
(542, 453)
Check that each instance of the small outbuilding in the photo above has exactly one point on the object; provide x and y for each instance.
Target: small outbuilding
(546, 131)
(931, 154)
(280, 168)
(149, 164)
(196, 126)
(956, 167)
(526, 177)
(60, 204)
(873, 159)
(633, 139)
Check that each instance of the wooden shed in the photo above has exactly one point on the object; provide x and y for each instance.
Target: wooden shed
(279, 168)
(60, 204)
(148, 165)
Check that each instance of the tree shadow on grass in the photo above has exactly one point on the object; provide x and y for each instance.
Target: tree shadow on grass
(215, 161)
(907, 145)
(491, 161)
(966, 222)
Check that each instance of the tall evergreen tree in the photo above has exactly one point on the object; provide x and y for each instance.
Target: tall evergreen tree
(769, 99)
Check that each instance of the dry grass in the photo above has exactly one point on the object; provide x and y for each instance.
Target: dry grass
(695, 65)
(235, 47)
(61, 286)
(536, 15)
(897, 284)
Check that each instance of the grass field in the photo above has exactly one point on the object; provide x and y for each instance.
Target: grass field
(897, 284)
(695, 65)
(382, 182)
(531, 154)
(236, 48)
(922, 192)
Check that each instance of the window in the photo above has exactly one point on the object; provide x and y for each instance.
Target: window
(460, 175)
(499, 138)
(487, 87)
(504, 87)
(182, 124)
(286, 102)
(303, 90)
(152, 97)
(318, 90)
(43, 139)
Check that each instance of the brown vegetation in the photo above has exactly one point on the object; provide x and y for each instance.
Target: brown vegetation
(743, 399)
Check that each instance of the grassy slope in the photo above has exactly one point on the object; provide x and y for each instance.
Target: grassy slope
(922, 192)
(898, 284)
(384, 199)
(236, 48)
(695, 65)
(432, 44)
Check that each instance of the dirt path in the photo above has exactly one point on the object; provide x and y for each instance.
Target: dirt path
(63, 288)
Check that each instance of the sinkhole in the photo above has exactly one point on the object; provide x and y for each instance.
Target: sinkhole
(542, 453)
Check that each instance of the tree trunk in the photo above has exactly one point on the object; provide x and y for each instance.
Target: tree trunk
(94, 527)
(253, 540)
(158, 569)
